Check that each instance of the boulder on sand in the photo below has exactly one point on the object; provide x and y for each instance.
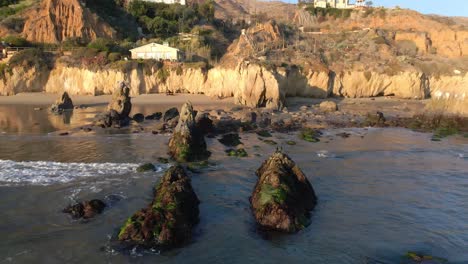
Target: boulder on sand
(283, 197)
(188, 142)
(118, 109)
(328, 106)
(62, 104)
(169, 219)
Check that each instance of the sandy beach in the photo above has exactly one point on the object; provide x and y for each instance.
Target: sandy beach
(145, 99)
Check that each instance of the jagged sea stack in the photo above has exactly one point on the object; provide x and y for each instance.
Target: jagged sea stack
(119, 108)
(283, 197)
(121, 100)
(188, 142)
(62, 104)
(168, 221)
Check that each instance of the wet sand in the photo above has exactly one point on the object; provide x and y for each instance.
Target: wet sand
(41, 99)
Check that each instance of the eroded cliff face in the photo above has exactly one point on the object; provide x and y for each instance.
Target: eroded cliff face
(57, 20)
(248, 84)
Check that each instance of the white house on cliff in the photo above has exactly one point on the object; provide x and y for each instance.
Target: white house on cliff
(182, 2)
(157, 51)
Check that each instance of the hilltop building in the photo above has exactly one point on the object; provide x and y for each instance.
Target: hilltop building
(157, 51)
(182, 2)
(333, 3)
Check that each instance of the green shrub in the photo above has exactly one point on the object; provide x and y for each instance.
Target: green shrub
(407, 47)
(4, 69)
(101, 44)
(29, 58)
(16, 41)
(163, 74)
(8, 2)
(114, 56)
(164, 20)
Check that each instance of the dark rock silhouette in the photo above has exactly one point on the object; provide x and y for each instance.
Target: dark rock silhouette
(187, 142)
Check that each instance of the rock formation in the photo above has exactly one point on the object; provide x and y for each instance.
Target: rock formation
(187, 142)
(85, 210)
(57, 20)
(248, 84)
(62, 104)
(328, 106)
(169, 219)
(118, 109)
(283, 197)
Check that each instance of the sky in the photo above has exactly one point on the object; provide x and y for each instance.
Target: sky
(439, 7)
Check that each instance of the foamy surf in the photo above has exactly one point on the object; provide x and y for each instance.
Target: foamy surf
(50, 172)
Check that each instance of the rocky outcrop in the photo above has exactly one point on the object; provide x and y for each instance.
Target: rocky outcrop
(328, 106)
(248, 83)
(57, 20)
(85, 210)
(118, 109)
(169, 219)
(187, 142)
(62, 104)
(283, 197)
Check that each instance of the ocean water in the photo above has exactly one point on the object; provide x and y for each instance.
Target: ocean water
(381, 192)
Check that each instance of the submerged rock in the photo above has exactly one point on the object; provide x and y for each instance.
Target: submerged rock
(230, 140)
(62, 104)
(417, 258)
(169, 219)
(377, 119)
(146, 167)
(87, 209)
(310, 135)
(240, 153)
(118, 109)
(283, 197)
(187, 142)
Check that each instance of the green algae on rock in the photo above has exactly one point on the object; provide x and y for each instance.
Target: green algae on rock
(169, 219)
(146, 167)
(264, 133)
(240, 153)
(187, 142)
(310, 135)
(417, 258)
(283, 197)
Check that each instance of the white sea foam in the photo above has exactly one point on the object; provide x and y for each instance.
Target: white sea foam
(325, 154)
(49, 172)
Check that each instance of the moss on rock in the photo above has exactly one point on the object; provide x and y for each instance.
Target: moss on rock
(146, 167)
(283, 197)
(169, 219)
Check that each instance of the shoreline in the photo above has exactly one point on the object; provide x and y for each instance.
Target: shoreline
(40, 98)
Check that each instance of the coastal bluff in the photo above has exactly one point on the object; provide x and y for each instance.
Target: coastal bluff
(249, 84)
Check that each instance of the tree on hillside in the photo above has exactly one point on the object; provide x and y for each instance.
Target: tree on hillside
(369, 3)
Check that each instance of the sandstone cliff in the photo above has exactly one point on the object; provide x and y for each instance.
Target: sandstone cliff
(248, 84)
(53, 21)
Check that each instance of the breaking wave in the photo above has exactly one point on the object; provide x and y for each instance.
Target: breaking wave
(50, 172)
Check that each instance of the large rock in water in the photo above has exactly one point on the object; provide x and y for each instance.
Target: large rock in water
(188, 142)
(283, 197)
(118, 109)
(169, 219)
(62, 104)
